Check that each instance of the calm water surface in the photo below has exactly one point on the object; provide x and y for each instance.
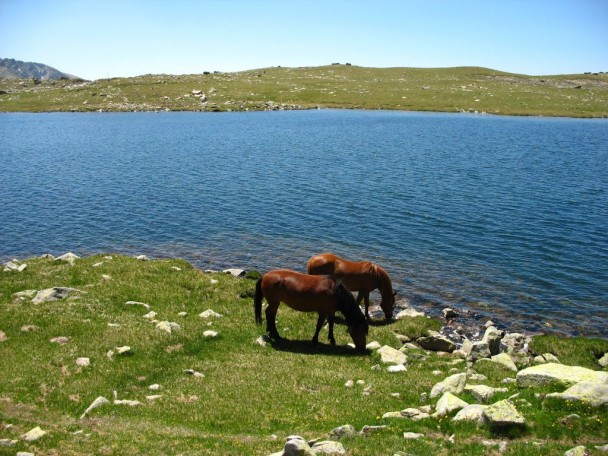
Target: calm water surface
(504, 216)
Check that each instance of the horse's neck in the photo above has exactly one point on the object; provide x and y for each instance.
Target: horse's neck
(384, 283)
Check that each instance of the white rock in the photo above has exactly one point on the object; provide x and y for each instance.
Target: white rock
(328, 447)
(68, 258)
(472, 412)
(409, 313)
(33, 434)
(375, 345)
(53, 294)
(396, 368)
(593, 394)
(210, 333)
(83, 362)
(483, 393)
(389, 355)
(412, 436)
(544, 374)
(96, 403)
(142, 258)
(603, 361)
(129, 402)
(234, 272)
(123, 350)
(577, 451)
(453, 384)
(209, 313)
(8, 442)
(154, 397)
(154, 387)
(106, 277)
(150, 315)
(182, 314)
(349, 384)
(136, 303)
(448, 404)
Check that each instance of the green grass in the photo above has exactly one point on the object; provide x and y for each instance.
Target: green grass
(249, 393)
(462, 89)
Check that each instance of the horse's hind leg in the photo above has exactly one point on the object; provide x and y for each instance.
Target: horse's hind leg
(320, 321)
(271, 324)
(362, 295)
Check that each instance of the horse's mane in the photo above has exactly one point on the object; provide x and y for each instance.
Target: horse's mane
(347, 304)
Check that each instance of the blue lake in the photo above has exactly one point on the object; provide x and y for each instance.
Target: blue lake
(504, 216)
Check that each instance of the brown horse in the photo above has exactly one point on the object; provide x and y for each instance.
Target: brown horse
(322, 294)
(361, 276)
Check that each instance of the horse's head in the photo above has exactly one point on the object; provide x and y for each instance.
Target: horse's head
(359, 335)
(387, 304)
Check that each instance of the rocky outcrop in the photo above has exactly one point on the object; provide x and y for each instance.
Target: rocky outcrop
(552, 373)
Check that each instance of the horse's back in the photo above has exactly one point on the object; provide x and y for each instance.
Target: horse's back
(356, 275)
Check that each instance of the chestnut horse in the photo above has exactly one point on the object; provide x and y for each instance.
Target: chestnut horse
(307, 293)
(361, 276)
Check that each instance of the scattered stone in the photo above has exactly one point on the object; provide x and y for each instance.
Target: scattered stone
(436, 342)
(389, 355)
(96, 265)
(53, 294)
(483, 393)
(449, 313)
(477, 350)
(544, 374)
(593, 394)
(603, 361)
(150, 315)
(366, 430)
(124, 350)
(153, 397)
(130, 403)
(182, 314)
(413, 414)
(235, 272)
(8, 442)
(602, 448)
(492, 337)
(577, 451)
(489, 323)
(68, 258)
(209, 313)
(472, 412)
(453, 384)
(167, 326)
(409, 313)
(503, 414)
(396, 368)
(136, 303)
(412, 436)
(349, 384)
(448, 404)
(33, 434)
(375, 345)
(142, 258)
(343, 431)
(154, 387)
(194, 373)
(106, 277)
(61, 340)
(83, 362)
(25, 294)
(3, 336)
(96, 403)
(210, 334)
(175, 268)
(14, 266)
(262, 340)
(328, 447)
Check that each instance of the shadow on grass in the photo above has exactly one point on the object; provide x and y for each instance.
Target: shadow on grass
(306, 347)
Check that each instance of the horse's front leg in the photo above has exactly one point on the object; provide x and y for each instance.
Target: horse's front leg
(320, 321)
(364, 295)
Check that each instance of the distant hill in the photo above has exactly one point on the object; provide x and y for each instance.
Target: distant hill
(16, 69)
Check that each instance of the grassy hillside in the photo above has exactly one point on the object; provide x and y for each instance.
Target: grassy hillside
(467, 89)
(248, 393)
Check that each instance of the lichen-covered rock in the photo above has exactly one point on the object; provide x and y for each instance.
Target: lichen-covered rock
(343, 431)
(328, 447)
(472, 412)
(577, 451)
(545, 374)
(503, 414)
(389, 355)
(492, 337)
(593, 394)
(453, 384)
(483, 393)
(448, 404)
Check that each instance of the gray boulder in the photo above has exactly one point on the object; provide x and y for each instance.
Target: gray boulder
(553, 373)
(343, 431)
(503, 414)
(453, 384)
(492, 337)
(448, 404)
(472, 412)
(436, 342)
(593, 394)
(483, 393)
(53, 294)
(389, 355)
(328, 447)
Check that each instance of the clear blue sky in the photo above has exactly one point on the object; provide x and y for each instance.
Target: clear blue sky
(101, 38)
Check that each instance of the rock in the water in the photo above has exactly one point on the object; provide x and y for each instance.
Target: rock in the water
(453, 384)
(472, 412)
(448, 404)
(545, 374)
(389, 355)
(409, 313)
(96, 403)
(593, 394)
(503, 414)
(436, 342)
(33, 434)
(53, 294)
(449, 313)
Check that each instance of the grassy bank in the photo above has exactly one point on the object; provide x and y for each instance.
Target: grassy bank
(465, 89)
(248, 393)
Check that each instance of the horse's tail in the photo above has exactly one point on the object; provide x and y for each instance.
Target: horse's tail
(257, 302)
